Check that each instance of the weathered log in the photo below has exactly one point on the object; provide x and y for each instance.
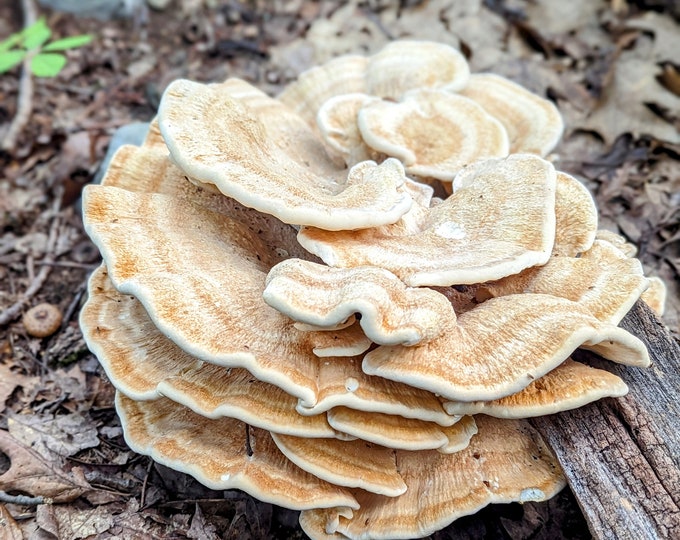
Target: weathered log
(622, 457)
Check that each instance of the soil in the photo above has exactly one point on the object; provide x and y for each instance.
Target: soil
(622, 141)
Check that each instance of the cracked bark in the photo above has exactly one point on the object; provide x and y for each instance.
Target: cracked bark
(622, 457)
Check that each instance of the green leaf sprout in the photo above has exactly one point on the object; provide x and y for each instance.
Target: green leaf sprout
(47, 60)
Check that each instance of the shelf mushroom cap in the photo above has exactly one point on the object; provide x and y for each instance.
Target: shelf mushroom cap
(145, 365)
(501, 346)
(499, 221)
(282, 170)
(568, 386)
(223, 454)
(533, 124)
(506, 461)
(433, 133)
(391, 312)
(191, 277)
(404, 65)
(354, 463)
(394, 431)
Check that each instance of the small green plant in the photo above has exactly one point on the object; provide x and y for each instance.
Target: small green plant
(47, 61)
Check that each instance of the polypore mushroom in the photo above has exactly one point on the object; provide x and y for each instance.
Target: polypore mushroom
(223, 454)
(403, 433)
(391, 313)
(533, 124)
(506, 461)
(498, 222)
(232, 341)
(433, 133)
(568, 386)
(289, 177)
(42, 321)
(520, 338)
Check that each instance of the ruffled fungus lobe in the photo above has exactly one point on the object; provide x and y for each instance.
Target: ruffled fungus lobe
(345, 386)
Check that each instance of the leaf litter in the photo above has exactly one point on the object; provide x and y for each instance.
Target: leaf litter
(59, 436)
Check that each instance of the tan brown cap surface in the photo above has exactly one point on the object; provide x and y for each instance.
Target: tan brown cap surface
(568, 386)
(342, 75)
(342, 383)
(402, 433)
(223, 454)
(533, 124)
(202, 284)
(655, 295)
(501, 346)
(285, 172)
(506, 461)
(433, 133)
(575, 217)
(337, 123)
(391, 312)
(355, 463)
(601, 280)
(499, 221)
(405, 65)
(144, 364)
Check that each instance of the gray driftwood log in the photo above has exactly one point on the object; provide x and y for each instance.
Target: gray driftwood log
(622, 457)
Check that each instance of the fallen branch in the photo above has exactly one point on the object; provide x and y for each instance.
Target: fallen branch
(622, 457)
(24, 500)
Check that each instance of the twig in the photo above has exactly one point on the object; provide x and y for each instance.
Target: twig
(23, 499)
(14, 310)
(142, 498)
(25, 99)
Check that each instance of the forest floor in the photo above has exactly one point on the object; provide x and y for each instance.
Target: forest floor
(610, 66)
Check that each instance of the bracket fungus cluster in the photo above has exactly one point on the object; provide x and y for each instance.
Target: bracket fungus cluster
(286, 308)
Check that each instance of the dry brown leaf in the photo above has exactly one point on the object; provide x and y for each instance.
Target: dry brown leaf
(69, 523)
(9, 529)
(30, 473)
(9, 380)
(200, 528)
(666, 34)
(64, 435)
(634, 89)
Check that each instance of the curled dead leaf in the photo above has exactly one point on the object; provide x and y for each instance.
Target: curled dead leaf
(30, 473)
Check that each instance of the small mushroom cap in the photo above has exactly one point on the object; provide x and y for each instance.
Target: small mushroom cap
(618, 241)
(355, 463)
(342, 383)
(402, 433)
(42, 321)
(337, 123)
(499, 221)
(534, 125)
(191, 279)
(568, 386)
(655, 295)
(285, 173)
(506, 461)
(216, 453)
(342, 75)
(405, 65)
(433, 133)
(501, 346)
(575, 216)
(391, 313)
(601, 280)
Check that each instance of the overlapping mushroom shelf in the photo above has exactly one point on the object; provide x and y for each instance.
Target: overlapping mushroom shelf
(286, 308)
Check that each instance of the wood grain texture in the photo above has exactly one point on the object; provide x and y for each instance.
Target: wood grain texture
(622, 457)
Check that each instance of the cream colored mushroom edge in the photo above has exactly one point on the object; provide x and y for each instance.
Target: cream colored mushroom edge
(348, 299)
